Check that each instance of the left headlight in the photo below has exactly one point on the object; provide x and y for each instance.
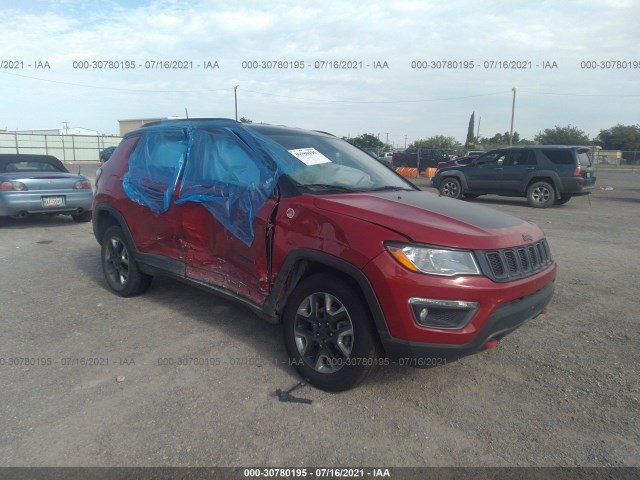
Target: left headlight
(435, 261)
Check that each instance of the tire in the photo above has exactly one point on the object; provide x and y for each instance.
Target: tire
(563, 200)
(120, 269)
(471, 196)
(334, 350)
(450, 187)
(83, 217)
(541, 195)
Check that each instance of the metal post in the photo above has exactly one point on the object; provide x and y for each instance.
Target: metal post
(46, 146)
(513, 109)
(15, 137)
(235, 96)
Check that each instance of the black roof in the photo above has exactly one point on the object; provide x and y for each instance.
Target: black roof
(6, 158)
(263, 128)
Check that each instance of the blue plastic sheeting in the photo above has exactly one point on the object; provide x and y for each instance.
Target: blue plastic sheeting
(155, 166)
(231, 171)
(228, 168)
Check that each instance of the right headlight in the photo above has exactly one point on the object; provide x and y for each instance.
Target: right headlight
(433, 260)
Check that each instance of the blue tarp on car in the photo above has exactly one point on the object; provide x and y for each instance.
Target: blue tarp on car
(154, 167)
(226, 167)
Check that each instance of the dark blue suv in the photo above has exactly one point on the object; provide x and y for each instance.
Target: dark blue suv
(545, 174)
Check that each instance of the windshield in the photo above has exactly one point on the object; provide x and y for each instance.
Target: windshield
(331, 164)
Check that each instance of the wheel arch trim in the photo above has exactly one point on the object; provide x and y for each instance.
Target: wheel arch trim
(297, 263)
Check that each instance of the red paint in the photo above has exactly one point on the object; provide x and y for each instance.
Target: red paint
(351, 227)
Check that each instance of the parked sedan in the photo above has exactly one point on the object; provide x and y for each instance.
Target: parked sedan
(40, 184)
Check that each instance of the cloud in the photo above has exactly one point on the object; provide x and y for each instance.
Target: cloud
(419, 102)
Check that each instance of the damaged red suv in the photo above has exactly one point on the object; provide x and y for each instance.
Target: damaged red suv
(307, 230)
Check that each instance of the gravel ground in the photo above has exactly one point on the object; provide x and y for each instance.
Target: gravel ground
(563, 390)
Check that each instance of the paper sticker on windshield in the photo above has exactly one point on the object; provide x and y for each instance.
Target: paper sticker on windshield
(309, 156)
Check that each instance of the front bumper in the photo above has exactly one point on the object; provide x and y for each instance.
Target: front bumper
(501, 308)
(504, 320)
(15, 203)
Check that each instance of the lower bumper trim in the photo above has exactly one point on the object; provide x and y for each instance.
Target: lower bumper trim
(504, 320)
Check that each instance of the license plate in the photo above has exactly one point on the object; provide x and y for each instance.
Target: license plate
(52, 202)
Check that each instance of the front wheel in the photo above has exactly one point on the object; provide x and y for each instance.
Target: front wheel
(541, 195)
(119, 265)
(450, 187)
(328, 334)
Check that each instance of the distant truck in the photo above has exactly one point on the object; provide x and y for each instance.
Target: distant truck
(421, 158)
(474, 153)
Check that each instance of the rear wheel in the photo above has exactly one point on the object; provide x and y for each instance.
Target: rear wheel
(119, 265)
(328, 334)
(450, 187)
(541, 195)
(563, 200)
(82, 217)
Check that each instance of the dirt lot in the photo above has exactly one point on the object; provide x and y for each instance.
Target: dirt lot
(562, 390)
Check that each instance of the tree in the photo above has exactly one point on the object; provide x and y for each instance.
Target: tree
(437, 141)
(502, 139)
(471, 139)
(562, 136)
(245, 120)
(366, 141)
(620, 137)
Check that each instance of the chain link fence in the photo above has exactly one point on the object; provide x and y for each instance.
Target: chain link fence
(68, 148)
(616, 159)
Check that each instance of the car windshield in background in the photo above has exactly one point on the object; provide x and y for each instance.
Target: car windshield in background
(332, 164)
(30, 167)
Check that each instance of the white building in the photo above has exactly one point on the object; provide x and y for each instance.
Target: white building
(59, 131)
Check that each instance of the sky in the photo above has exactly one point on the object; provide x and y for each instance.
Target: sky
(47, 46)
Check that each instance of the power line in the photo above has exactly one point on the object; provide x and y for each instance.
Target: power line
(146, 90)
(579, 94)
(348, 100)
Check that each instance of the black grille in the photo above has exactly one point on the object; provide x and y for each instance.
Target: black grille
(512, 263)
(445, 317)
(495, 262)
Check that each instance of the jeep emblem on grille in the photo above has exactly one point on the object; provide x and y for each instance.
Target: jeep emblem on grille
(527, 238)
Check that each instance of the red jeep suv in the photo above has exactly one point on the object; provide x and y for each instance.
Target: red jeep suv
(307, 230)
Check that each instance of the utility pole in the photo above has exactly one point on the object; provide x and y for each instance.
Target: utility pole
(387, 142)
(478, 130)
(66, 127)
(405, 141)
(235, 96)
(513, 110)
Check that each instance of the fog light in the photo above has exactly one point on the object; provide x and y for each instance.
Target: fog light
(442, 314)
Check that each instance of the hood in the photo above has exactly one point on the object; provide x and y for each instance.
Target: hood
(428, 218)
